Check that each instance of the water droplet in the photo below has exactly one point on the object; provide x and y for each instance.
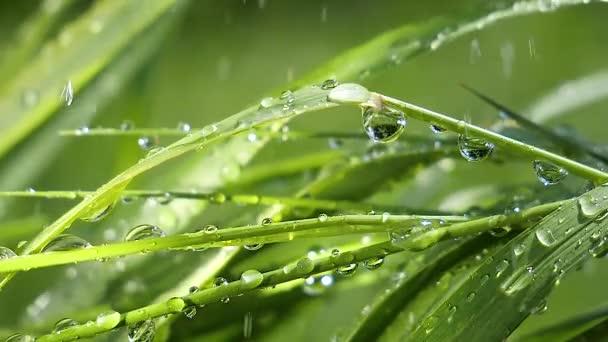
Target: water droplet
(144, 232)
(373, 263)
(266, 221)
(519, 250)
(6, 253)
(289, 100)
(349, 93)
(589, 206)
(471, 296)
(385, 217)
(499, 232)
(253, 247)
(190, 311)
(334, 143)
(540, 308)
(474, 149)
(64, 324)
(220, 281)
(96, 213)
(475, 52)
(429, 324)
(108, 319)
(193, 289)
(252, 137)
(323, 218)
(501, 267)
(484, 279)
(66, 242)
(384, 125)
(141, 331)
(548, 173)
(68, 93)
(251, 279)
(335, 252)
(147, 143)
(184, 127)
(210, 229)
(329, 84)
(20, 338)
(545, 236)
(266, 102)
(347, 270)
(437, 129)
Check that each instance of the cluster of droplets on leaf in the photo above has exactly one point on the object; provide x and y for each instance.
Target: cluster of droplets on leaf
(221, 281)
(289, 100)
(254, 247)
(141, 331)
(549, 173)
(66, 242)
(474, 149)
(144, 232)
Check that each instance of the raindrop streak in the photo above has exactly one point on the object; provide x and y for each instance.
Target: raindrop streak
(548, 173)
(20, 338)
(64, 324)
(6, 253)
(248, 325)
(475, 53)
(507, 54)
(589, 206)
(66, 242)
(474, 149)
(144, 232)
(384, 125)
(347, 270)
(141, 331)
(68, 93)
(373, 263)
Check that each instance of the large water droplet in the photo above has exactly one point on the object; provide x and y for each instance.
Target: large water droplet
(589, 206)
(373, 263)
(6, 253)
(347, 270)
(143, 232)
(251, 279)
(64, 324)
(383, 125)
(66, 242)
(474, 149)
(20, 338)
(141, 331)
(220, 281)
(548, 173)
(545, 236)
(349, 93)
(96, 213)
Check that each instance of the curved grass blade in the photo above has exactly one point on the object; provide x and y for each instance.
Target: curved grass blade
(520, 275)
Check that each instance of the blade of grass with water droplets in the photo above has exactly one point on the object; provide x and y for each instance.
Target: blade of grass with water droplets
(519, 276)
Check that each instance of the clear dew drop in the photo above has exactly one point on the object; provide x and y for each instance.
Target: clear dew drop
(349, 93)
(519, 250)
(373, 263)
(474, 149)
(141, 331)
(549, 173)
(95, 214)
(266, 102)
(383, 125)
(266, 221)
(146, 142)
(190, 311)
(193, 289)
(107, 319)
(144, 232)
(501, 267)
(329, 84)
(64, 324)
(66, 242)
(323, 218)
(471, 296)
(220, 281)
(184, 127)
(210, 229)
(253, 247)
(251, 279)
(20, 338)
(589, 206)
(437, 129)
(347, 270)
(545, 236)
(6, 253)
(164, 199)
(335, 252)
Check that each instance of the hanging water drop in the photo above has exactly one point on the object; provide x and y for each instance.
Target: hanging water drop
(474, 149)
(141, 331)
(437, 129)
(193, 289)
(146, 143)
(144, 232)
(66, 242)
(165, 199)
(220, 281)
(64, 324)
(330, 83)
(96, 213)
(190, 311)
(373, 263)
(6, 253)
(184, 127)
(383, 125)
(347, 270)
(548, 173)
(545, 236)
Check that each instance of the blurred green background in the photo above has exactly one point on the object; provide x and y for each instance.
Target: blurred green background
(222, 56)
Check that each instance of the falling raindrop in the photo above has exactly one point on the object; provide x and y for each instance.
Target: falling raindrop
(475, 53)
(66, 242)
(324, 14)
(141, 331)
(474, 149)
(507, 54)
(248, 325)
(384, 125)
(68, 93)
(548, 173)
(64, 324)
(144, 232)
